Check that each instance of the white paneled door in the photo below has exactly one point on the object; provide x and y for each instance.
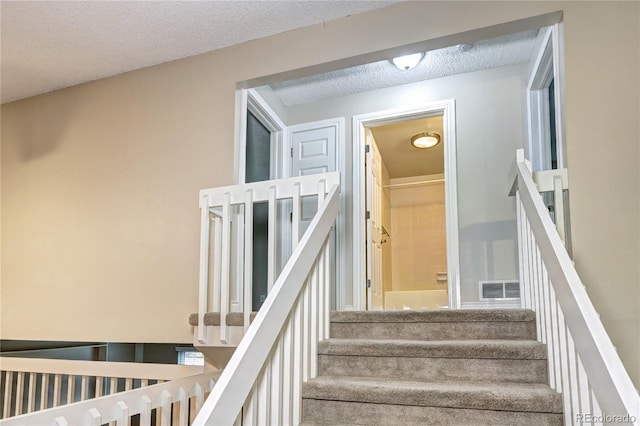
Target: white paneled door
(313, 151)
(375, 291)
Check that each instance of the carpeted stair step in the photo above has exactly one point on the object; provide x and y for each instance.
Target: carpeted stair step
(358, 400)
(213, 318)
(514, 324)
(468, 360)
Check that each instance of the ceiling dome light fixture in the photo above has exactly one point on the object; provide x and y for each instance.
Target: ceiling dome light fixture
(407, 62)
(425, 140)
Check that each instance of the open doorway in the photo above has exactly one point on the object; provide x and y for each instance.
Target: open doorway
(409, 210)
(406, 232)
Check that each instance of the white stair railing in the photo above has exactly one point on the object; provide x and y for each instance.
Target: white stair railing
(262, 382)
(175, 402)
(583, 363)
(33, 384)
(224, 267)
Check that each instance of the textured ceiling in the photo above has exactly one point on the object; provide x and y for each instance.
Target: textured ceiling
(57, 44)
(400, 157)
(492, 53)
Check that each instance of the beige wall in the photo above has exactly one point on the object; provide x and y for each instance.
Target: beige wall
(99, 182)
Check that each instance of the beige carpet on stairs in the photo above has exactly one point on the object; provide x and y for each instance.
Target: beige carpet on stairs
(466, 367)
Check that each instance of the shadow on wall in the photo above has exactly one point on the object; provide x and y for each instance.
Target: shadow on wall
(42, 135)
(488, 251)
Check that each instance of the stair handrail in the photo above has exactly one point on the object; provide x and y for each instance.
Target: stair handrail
(584, 364)
(170, 400)
(263, 379)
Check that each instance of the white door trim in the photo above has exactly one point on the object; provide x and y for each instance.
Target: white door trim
(360, 122)
(547, 66)
(250, 100)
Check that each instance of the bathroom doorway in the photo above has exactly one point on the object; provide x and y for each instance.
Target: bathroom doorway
(406, 217)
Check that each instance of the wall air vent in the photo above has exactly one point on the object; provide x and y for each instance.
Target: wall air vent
(499, 290)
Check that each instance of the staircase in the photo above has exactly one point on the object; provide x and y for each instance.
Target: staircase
(464, 367)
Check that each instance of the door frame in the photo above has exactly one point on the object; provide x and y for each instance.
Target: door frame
(250, 100)
(359, 123)
(547, 66)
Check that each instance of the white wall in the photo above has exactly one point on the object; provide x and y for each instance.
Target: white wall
(490, 127)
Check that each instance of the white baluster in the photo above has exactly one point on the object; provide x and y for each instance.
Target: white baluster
(327, 288)
(31, 399)
(320, 267)
(573, 375)
(128, 384)
(264, 392)
(271, 239)
(529, 245)
(595, 407)
(199, 395)
(524, 302)
(60, 421)
(44, 391)
(295, 217)
(57, 387)
(83, 388)
(287, 369)
(19, 392)
(96, 417)
(564, 367)
(558, 201)
(276, 384)
(166, 409)
(217, 262)
(8, 390)
(184, 407)
(313, 302)
(536, 287)
(99, 384)
(204, 268)
(248, 258)
(555, 336)
(123, 414)
(583, 385)
(113, 386)
(145, 412)
(306, 331)
(547, 323)
(226, 256)
(71, 388)
(250, 408)
(298, 361)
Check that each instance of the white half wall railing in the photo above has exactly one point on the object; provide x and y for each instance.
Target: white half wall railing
(175, 402)
(33, 384)
(226, 241)
(583, 363)
(262, 382)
